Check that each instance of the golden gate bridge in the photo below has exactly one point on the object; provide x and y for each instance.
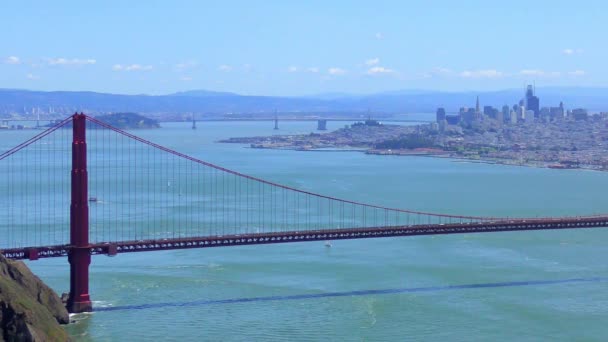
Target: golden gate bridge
(96, 189)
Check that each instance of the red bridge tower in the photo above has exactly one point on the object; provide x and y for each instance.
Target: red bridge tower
(80, 252)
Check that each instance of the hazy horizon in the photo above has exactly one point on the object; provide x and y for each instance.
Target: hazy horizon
(329, 95)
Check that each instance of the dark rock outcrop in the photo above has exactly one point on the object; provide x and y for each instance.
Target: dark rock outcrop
(29, 310)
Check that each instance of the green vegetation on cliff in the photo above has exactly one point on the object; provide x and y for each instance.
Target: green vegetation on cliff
(29, 310)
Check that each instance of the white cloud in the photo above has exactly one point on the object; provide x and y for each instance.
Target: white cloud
(437, 71)
(379, 36)
(487, 73)
(531, 72)
(572, 51)
(185, 78)
(225, 68)
(539, 73)
(132, 67)
(441, 71)
(336, 71)
(12, 60)
(70, 62)
(379, 70)
(373, 61)
(313, 70)
(32, 77)
(186, 65)
(577, 73)
(293, 69)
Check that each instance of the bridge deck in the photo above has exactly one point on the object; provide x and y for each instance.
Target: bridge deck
(112, 248)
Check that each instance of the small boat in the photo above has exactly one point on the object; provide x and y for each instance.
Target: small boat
(327, 244)
(92, 199)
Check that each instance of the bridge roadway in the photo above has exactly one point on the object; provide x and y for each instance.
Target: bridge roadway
(113, 248)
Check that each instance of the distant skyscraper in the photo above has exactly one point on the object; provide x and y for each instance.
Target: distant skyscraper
(440, 114)
(531, 101)
(488, 111)
(477, 109)
(506, 112)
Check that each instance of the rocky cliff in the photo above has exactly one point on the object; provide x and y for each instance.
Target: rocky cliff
(29, 310)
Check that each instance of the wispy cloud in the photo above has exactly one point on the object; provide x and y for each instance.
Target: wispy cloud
(293, 69)
(486, 73)
(225, 68)
(185, 78)
(131, 67)
(539, 73)
(379, 36)
(336, 71)
(577, 73)
(441, 70)
(70, 62)
(32, 77)
(379, 70)
(186, 65)
(313, 70)
(572, 51)
(437, 72)
(372, 61)
(12, 60)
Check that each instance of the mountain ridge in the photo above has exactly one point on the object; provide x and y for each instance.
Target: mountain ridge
(205, 101)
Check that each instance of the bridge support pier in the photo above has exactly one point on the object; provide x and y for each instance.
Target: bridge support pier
(80, 252)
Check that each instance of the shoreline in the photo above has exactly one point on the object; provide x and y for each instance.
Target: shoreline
(440, 154)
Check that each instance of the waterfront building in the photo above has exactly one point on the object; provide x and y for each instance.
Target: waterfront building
(321, 125)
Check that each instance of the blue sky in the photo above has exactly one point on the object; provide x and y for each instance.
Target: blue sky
(300, 47)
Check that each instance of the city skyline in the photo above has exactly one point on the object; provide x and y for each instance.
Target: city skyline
(265, 49)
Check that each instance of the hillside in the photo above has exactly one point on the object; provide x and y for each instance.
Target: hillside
(30, 310)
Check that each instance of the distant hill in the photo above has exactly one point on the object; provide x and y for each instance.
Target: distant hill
(128, 121)
(209, 102)
(203, 93)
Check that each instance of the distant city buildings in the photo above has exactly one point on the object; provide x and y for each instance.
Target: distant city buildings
(527, 111)
(531, 101)
(440, 114)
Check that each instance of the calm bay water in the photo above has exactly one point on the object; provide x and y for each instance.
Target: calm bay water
(185, 290)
